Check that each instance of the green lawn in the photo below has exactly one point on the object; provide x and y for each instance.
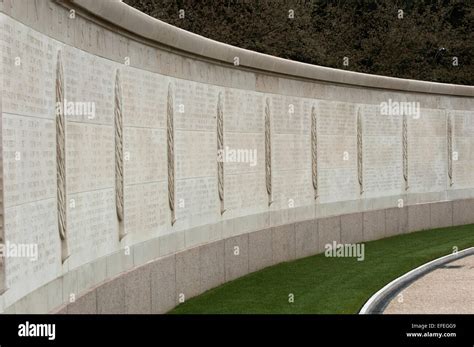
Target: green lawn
(329, 285)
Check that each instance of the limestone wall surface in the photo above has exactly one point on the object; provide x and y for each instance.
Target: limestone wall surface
(167, 153)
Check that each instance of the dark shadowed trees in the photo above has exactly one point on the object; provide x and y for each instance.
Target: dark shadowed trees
(431, 40)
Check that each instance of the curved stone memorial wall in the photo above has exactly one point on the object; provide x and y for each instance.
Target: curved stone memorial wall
(148, 164)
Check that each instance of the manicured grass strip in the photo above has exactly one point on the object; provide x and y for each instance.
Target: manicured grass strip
(330, 285)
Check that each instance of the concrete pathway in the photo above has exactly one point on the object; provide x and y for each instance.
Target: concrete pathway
(448, 289)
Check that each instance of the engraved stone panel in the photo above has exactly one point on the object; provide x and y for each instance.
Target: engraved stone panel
(196, 199)
(144, 155)
(463, 149)
(28, 70)
(337, 151)
(195, 117)
(91, 225)
(244, 153)
(32, 224)
(291, 151)
(145, 198)
(291, 188)
(29, 152)
(195, 106)
(382, 147)
(144, 98)
(89, 84)
(246, 193)
(243, 111)
(291, 114)
(244, 157)
(29, 155)
(195, 154)
(427, 151)
(90, 157)
(146, 208)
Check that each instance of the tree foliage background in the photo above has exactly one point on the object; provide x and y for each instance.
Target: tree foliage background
(323, 32)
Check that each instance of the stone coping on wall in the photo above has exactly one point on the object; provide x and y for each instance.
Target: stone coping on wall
(130, 21)
(156, 274)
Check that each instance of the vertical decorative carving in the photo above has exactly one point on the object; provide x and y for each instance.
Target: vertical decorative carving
(170, 151)
(360, 169)
(61, 159)
(405, 149)
(314, 150)
(220, 150)
(119, 185)
(450, 147)
(268, 151)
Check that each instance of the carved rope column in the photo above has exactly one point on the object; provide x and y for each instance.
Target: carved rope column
(449, 135)
(170, 153)
(268, 151)
(61, 159)
(119, 183)
(220, 151)
(314, 151)
(405, 149)
(360, 149)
